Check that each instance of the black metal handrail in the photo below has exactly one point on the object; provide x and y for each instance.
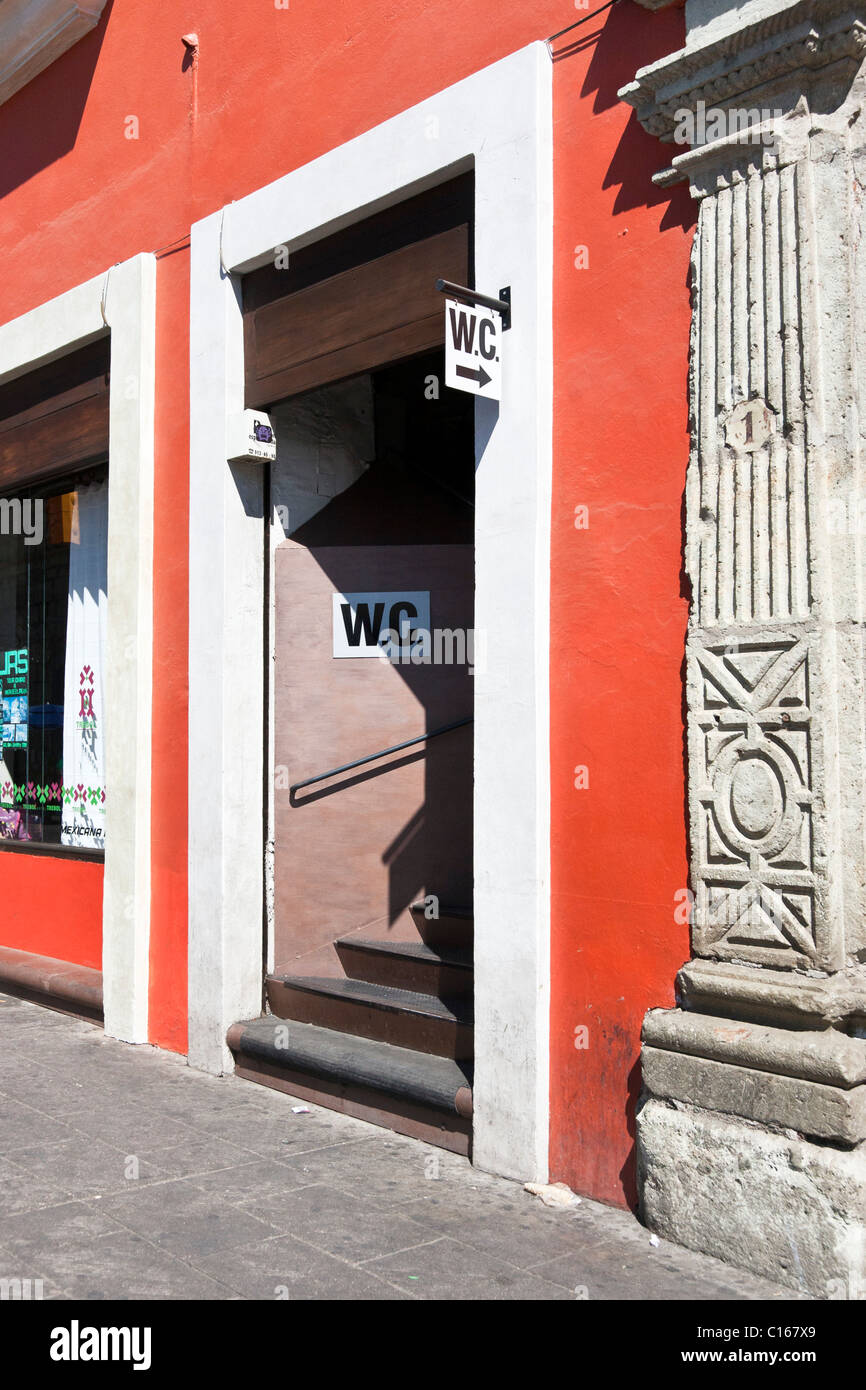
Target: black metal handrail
(382, 753)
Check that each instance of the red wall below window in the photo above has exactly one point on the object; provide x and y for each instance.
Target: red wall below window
(52, 907)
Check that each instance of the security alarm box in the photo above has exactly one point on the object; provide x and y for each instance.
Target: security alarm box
(251, 436)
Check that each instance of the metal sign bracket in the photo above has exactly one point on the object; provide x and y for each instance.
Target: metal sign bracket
(502, 305)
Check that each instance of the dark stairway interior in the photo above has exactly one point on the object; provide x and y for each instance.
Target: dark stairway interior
(390, 1041)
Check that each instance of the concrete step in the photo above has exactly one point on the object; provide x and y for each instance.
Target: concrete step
(420, 1022)
(412, 1092)
(445, 971)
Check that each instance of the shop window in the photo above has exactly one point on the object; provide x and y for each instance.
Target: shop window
(53, 611)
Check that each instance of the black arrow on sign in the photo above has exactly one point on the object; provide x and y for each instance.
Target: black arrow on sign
(475, 374)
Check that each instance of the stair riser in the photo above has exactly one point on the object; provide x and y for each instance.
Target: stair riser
(438, 1037)
(404, 972)
(444, 930)
(452, 1132)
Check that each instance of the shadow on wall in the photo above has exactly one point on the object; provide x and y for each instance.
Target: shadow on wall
(622, 40)
(628, 1171)
(429, 850)
(62, 89)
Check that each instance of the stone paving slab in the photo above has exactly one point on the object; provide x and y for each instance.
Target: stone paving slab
(124, 1174)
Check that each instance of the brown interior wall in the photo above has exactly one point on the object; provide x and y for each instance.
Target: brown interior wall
(357, 850)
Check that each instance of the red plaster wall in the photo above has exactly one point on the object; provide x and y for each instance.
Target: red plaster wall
(274, 88)
(617, 613)
(52, 907)
(168, 927)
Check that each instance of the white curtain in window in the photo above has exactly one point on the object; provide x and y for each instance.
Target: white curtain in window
(84, 698)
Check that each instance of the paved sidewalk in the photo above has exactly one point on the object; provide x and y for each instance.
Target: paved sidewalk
(124, 1174)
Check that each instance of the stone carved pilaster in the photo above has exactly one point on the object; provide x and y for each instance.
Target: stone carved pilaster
(774, 581)
(774, 545)
(775, 536)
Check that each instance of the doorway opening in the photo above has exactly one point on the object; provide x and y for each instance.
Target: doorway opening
(374, 652)
(369, 961)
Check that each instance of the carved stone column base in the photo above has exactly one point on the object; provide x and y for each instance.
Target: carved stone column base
(785, 999)
(785, 1100)
(789, 1208)
(751, 1135)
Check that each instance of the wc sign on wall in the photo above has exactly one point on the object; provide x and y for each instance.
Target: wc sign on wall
(472, 349)
(374, 624)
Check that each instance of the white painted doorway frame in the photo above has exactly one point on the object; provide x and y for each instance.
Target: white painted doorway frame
(499, 123)
(122, 302)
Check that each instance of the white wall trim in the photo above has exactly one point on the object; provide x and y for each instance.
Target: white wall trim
(226, 686)
(33, 33)
(498, 121)
(126, 296)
